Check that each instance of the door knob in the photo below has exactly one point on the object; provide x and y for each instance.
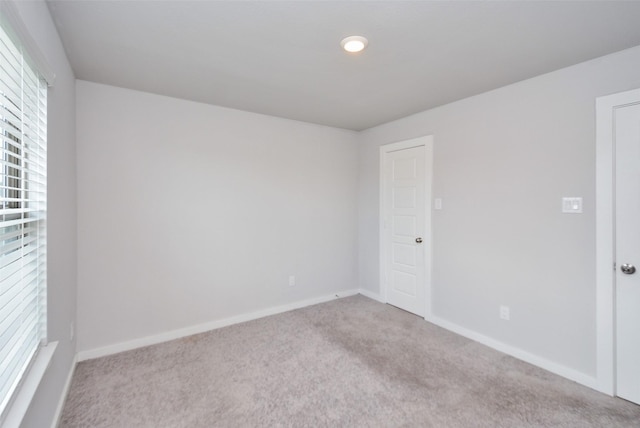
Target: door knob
(418, 240)
(628, 269)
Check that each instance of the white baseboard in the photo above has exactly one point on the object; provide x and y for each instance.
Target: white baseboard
(538, 361)
(201, 328)
(371, 295)
(518, 353)
(65, 392)
(543, 363)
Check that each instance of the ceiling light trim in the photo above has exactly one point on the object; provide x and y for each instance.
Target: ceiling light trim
(354, 44)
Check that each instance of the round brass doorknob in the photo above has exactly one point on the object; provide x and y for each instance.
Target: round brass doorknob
(418, 240)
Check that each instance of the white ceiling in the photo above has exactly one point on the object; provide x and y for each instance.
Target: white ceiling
(283, 58)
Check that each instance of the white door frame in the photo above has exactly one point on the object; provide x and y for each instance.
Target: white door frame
(605, 245)
(427, 142)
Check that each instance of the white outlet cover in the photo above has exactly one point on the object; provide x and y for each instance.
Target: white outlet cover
(504, 313)
(437, 203)
(572, 205)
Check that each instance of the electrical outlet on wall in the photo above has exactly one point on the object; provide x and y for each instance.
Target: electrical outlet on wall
(505, 313)
(292, 280)
(572, 205)
(72, 331)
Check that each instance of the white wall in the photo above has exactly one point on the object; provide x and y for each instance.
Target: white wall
(61, 229)
(502, 162)
(190, 213)
(170, 192)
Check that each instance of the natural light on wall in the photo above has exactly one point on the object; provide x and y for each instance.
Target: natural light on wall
(23, 181)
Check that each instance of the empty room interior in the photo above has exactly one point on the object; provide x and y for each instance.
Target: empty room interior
(320, 213)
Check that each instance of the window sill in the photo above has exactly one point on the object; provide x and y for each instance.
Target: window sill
(27, 390)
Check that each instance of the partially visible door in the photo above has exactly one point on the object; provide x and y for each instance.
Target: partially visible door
(404, 228)
(627, 250)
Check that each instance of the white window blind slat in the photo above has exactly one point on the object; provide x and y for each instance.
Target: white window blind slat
(11, 257)
(13, 316)
(24, 345)
(8, 110)
(23, 181)
(17, 324)
(20, 247)
(7, 272)
(16, 328)
(15, 370)
(13, 275)
(11, 52)
(9, 87)
(30, 348)
(7, 233)
(17, 281)
(16, 222)
(10, 133)
(21, 153)
(11, 74)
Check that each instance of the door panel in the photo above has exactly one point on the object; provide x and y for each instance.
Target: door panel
(627, 238)
(404, 225)
(404, 254)
(404, 211)
(404, 197)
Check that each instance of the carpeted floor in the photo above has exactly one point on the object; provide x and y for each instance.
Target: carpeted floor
(351, 362)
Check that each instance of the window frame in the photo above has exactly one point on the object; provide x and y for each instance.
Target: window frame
(24, 169)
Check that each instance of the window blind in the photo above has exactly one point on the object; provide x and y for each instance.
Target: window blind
(23, 190)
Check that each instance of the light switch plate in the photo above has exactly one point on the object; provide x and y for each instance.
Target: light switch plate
(572, 205)
(437, 202)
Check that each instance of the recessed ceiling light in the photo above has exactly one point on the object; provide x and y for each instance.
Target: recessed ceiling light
(354, 43)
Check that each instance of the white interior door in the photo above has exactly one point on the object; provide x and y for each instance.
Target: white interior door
(404, 228)
(627, 250)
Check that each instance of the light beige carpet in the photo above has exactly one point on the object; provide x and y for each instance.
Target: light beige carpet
(352, 362)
